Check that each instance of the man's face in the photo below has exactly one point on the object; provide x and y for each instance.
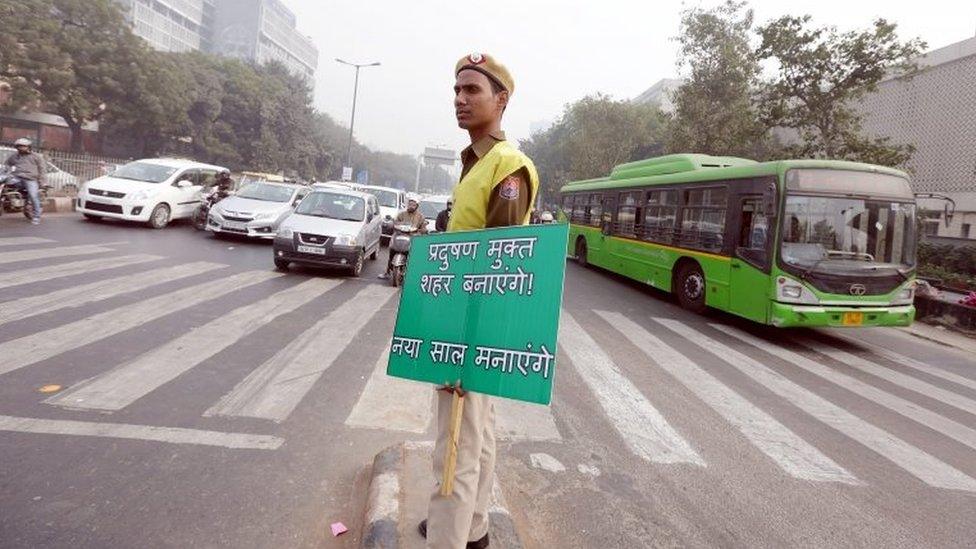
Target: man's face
(449, 206)
(475, 105)
(23, 149)
(411, 206)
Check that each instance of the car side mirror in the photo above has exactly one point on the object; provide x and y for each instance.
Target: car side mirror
(184, 183)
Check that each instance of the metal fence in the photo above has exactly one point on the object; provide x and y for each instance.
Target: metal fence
(66, 171)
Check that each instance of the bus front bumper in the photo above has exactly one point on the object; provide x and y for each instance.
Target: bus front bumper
(785, 315)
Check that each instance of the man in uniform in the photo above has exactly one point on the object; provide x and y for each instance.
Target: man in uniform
(416, 220)
(498, 185)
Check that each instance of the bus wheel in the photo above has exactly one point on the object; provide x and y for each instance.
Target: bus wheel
(690, 287)
(581, 252)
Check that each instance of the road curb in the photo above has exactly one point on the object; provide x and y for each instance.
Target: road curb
(387, 495)
(382, 515)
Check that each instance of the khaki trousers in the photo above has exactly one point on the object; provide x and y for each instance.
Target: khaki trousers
(454, 520)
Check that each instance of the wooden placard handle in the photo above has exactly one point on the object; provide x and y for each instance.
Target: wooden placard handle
(450, 458)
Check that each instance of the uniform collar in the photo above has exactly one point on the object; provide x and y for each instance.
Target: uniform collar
(481, 147)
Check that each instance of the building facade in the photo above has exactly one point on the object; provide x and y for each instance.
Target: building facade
(257, 31)
(936, 112)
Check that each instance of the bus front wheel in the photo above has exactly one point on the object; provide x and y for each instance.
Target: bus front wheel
(690, 287)
(581, 252)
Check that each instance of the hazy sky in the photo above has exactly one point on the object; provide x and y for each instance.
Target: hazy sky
(557, 52)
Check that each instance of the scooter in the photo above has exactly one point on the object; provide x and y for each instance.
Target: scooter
(13, 195)
(400, 248)
(202, 213)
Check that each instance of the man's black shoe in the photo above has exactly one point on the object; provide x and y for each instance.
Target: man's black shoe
(480, 544)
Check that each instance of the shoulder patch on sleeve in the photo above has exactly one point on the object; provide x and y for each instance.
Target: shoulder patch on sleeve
(508, 189)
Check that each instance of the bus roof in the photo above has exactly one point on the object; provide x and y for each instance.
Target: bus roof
(687, 168)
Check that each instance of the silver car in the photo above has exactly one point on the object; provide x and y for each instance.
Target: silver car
(256, 210)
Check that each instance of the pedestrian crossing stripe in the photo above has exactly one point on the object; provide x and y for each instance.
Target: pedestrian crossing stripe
(271, 392)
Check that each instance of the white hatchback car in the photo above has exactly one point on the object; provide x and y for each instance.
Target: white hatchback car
(330, 228)
(153, 191)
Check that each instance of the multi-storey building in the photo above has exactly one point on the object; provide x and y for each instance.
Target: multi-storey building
(936, 112)
(258, 31)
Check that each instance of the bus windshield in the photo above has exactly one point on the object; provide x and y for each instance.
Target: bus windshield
(831, 234)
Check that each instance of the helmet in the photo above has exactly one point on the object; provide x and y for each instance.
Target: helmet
(23, 142)
(411, 197)
(223, 173)
(546, 217)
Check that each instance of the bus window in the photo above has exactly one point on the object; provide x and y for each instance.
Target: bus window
(703, 219)
(660, 211)
(627, 214)
(595, 210)
(579, 209)
(753, 233)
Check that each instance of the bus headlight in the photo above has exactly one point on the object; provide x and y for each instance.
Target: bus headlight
(792, 291)
(905, 296)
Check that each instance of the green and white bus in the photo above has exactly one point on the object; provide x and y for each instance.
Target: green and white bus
(785, 243)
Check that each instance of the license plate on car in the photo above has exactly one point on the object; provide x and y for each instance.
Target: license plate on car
(234, 225)
(311, 250)
(853, 319)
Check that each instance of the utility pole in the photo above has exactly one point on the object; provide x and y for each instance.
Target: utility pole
(355, 92)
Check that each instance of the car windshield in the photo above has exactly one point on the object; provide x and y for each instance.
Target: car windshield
(333, 206)
(387, 199)
(147, 172)
(844, 234)
(430, 209)
(266, 192)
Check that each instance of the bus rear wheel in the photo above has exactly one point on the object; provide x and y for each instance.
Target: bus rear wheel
(581, 252)
(690, 287)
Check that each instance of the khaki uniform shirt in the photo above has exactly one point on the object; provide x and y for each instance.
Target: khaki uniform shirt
(502, 211)
(415, 219)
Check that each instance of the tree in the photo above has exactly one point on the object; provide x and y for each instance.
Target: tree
(593, 135)
(821, 75)
(714, 111)
(74, 57)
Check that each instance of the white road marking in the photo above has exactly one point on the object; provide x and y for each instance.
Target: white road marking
(918, 365)
(897, 378)
(99, 290)
(129, 382)
(48, 272)
(173, 435)
(392, 403)
(948, 427)
(793, 454)
(63, 251)
(916, 462)
(642, 427)
(17, 353)
(521, 421)
(23, 241)
(274, 389)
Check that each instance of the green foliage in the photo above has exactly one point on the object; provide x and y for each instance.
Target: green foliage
(714, 110)
(593, 135)
(821, 74)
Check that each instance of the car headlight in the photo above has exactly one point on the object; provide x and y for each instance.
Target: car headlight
(345, 240)
(285, 233)
(144, 194)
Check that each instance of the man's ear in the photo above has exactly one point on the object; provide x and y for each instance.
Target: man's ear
(502, 99)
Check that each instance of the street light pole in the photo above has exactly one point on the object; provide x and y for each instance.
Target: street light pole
(355, 92)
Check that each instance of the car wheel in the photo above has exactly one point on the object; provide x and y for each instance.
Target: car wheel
(281, 264)
(357, 266)
(581, 252)
(91, 217)
(690, 287)
(159, 217)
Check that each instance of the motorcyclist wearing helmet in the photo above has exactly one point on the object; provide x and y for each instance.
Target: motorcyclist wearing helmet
(28, 169)
(225, 185)
(416, 220)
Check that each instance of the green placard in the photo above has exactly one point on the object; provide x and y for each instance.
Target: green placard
(482, 308)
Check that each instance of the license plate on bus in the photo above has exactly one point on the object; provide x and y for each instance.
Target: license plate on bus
(852, 319)
(234, 225)
(311, 250)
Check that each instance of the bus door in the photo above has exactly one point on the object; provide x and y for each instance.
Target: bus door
(752, 224)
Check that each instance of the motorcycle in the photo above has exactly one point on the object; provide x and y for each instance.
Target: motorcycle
(14, 197)
(202, 213)
(400, 248)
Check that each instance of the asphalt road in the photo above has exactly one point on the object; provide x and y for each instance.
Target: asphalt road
(207, 401)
